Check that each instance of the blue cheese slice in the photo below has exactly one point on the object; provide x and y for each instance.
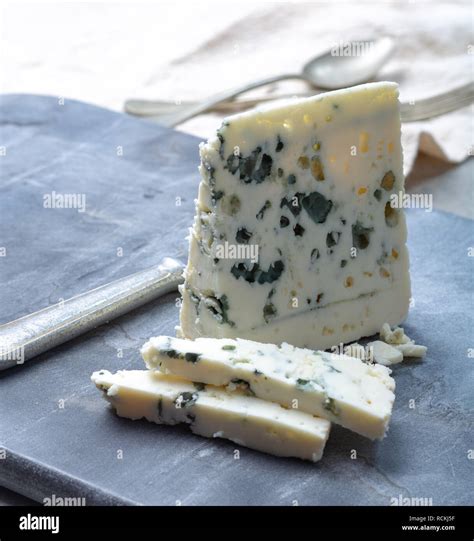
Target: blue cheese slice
(294, 237)
(342, 389)
(214, 413)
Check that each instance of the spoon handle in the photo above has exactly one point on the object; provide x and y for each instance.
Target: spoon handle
(145, 108)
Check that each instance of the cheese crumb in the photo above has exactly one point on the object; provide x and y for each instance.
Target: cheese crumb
(412, 350)
(395, 337)
(400, 341)
(385, 354)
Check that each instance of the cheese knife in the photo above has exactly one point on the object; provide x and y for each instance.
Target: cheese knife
(32, 334)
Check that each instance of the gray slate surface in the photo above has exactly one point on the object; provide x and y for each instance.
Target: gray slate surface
(53, 254)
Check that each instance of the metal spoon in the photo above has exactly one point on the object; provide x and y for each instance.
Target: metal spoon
(327, 71)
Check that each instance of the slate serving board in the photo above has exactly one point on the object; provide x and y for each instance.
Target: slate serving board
(58, 436)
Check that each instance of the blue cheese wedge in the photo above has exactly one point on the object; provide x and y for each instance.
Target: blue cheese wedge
(295, 238)
(342, 389)
(214, 413)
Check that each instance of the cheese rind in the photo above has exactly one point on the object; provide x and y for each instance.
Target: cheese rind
(213, 412)
(341, 322)
(339, 388)
(308, 183)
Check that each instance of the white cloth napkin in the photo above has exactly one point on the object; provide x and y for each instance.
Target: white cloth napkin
(432, 56)
(107, 53)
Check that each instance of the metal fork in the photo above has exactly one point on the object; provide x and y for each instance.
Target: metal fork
(437, 105)
(410, 111)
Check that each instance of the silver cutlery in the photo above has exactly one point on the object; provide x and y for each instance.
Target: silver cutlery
(412, 111)
(27, 337)
(437, 105)
(326, 71)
